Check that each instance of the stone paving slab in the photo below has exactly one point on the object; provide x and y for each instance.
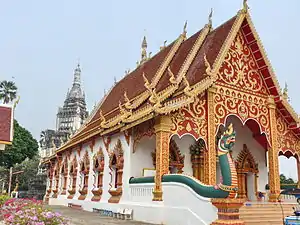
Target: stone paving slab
(81, 217)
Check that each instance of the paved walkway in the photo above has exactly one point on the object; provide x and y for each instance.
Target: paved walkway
(81, 217)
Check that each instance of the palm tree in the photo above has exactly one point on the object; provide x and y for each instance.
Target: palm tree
(8, 91)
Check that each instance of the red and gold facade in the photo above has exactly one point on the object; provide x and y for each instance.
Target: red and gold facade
(192, 87)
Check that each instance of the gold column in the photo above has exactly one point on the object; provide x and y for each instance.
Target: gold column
(210, 162)
(256, 184)
(274, 181)
(241, 185)
(201, 171)
(298, 170)
(162, 128)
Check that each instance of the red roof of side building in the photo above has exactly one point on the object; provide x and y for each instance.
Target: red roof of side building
(6, 124)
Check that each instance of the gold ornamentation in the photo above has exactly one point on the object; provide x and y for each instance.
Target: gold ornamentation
(127, 101)
(146, 82)
(116, 157)
(245, 6)
(145, 129)
(210, 162)
(245, 106)
(191, 119)
(127, 135)
(239, 68)
(274, 180)
(176, 159)
(106, 142)
(287, 141)
(162, 132)
(172, 76)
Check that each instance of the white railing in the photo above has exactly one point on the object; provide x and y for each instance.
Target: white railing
(181, 205)
(284, 198)
(141, 192)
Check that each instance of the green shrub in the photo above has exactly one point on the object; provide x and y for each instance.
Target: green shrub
(3, 199)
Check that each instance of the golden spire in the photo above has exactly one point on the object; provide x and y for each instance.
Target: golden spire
(184, 29)
(245, 6)
(144, 50)
(210, 17)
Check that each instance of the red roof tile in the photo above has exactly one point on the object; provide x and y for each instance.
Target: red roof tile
(5, 124)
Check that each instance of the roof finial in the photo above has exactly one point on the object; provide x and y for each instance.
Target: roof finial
(77, 73)
(164, 46)
(184, 29)
(144, 50)
(285, 92)
(245, 6)
(115, 80)
(210, 17)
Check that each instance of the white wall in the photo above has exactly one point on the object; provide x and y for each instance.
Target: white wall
(142, 157)
(245, 136)
(184, 144)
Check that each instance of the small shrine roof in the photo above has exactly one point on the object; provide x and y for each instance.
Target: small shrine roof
(6, 124)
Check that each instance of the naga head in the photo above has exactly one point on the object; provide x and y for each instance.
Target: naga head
(226, 141)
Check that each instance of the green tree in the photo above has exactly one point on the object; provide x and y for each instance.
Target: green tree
(23, 146)
(30, 170)
(8, 91)
(285, 180)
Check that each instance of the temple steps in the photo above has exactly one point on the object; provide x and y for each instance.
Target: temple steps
(265, 213)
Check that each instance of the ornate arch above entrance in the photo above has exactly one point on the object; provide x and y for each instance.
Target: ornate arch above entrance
(245, 164)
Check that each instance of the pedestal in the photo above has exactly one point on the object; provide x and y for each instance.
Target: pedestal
(228, 211)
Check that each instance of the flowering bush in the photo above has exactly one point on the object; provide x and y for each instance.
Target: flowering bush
(29, 212)
(3, 199)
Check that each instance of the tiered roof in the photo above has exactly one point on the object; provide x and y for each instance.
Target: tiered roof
(170, 79)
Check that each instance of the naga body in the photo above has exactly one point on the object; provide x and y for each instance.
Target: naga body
(228, 186)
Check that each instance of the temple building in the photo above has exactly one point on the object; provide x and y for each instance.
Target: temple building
(160, 141)
(69, 118)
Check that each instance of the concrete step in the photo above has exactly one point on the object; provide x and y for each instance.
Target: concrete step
(258, 213)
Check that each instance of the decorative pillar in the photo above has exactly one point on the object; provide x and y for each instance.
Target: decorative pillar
(55, 191)
(64, 183)
(241, 185)
(256, 185)
(73, 178)
(201, 168)
(274, 180)
(298, 170)
(210, 161)
(162, 128)
(196, 166)
(50, 180)
(228, 211)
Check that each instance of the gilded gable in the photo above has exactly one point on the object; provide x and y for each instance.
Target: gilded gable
(239, 69)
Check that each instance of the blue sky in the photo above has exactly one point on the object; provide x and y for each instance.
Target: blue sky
(41, 41)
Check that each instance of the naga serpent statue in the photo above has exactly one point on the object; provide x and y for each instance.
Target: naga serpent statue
(228, 186)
